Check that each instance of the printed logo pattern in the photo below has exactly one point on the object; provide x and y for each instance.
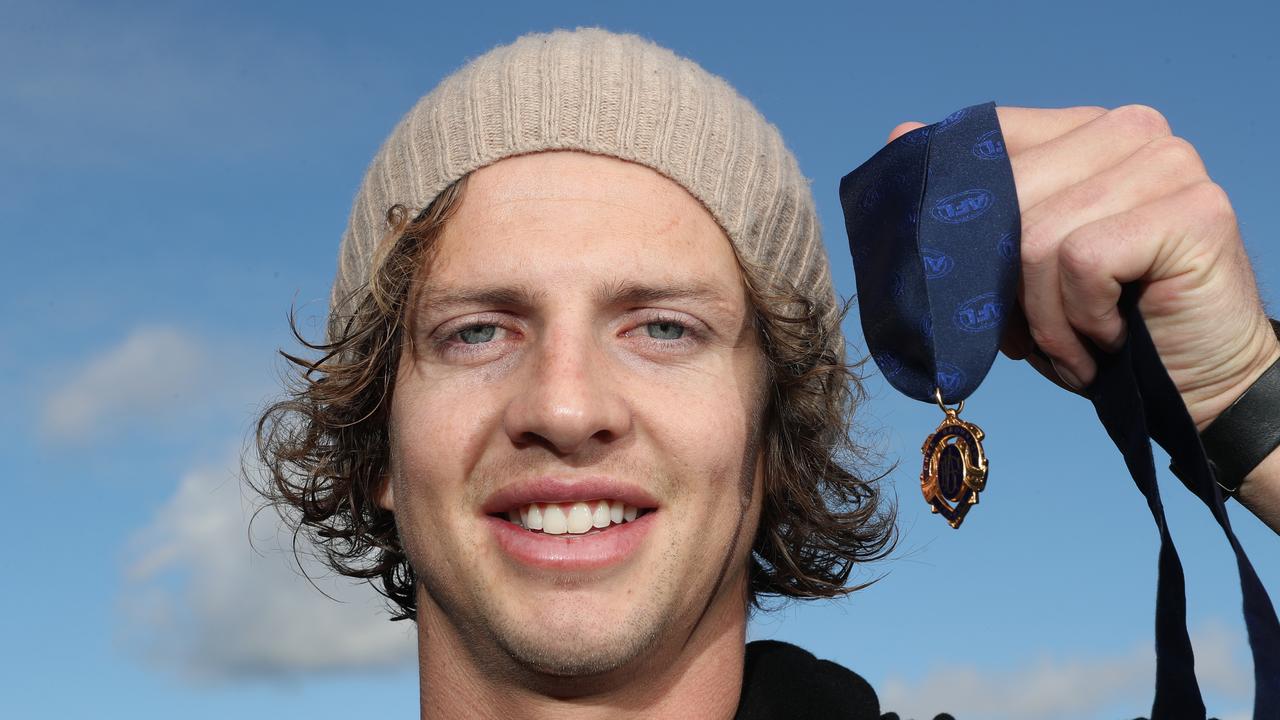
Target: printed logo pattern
(936, 263)
(888, 363)
(949, 378)
(1007, 246)
(979, 313)
(951, 120)
(990, 146)
(963, 206)
(938, 209)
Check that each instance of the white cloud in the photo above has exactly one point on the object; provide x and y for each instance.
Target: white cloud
(1051, 688)
(155, 371)
(198, 599)
(153, 378)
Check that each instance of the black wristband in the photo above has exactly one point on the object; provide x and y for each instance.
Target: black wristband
(1239, 439)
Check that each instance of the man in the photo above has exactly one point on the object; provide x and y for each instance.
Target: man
(585, 383)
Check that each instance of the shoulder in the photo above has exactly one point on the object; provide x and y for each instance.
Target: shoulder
(782, 680)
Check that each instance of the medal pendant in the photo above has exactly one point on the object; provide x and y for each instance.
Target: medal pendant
(955, 466)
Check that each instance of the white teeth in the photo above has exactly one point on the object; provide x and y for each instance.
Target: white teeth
(574, 518)
(600, 516)
(553, 520)
(579, 520)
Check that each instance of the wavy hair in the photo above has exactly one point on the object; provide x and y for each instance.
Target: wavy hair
(324, 449)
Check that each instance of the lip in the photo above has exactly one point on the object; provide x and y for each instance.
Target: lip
(563, 490)
(571, 552)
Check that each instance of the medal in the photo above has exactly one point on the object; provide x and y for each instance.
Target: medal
(955, 465)
(934, 232)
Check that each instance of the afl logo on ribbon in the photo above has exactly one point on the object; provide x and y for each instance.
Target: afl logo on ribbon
(952, 119)
(919, 136)
(1007, 247)
(980, 313)
(889, 363)
(990, 146)
(949, 378)
(936, 264)
(963, 206)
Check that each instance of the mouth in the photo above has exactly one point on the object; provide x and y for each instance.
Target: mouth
(584, 517)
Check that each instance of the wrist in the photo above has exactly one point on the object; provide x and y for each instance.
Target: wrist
(1260, 491)
(1241, 441)
(1205, 407)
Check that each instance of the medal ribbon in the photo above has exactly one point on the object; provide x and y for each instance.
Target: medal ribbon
(934, 231)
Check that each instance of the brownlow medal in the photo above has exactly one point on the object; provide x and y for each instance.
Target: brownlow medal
(955, 465)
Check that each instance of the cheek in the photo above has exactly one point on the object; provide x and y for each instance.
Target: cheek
(439, 430)
(700, 431)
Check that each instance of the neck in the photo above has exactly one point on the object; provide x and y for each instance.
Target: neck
(695, 675)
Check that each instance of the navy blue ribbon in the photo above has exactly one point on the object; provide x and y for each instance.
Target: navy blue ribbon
(934, 232)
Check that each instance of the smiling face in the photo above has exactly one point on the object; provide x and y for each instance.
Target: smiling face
(581, 334)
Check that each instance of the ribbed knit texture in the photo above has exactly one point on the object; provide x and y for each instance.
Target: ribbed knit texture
(608, 94)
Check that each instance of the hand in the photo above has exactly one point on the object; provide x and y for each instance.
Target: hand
(1112, 197)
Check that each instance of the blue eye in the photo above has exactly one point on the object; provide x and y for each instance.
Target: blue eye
(477, 334)
(665, 330)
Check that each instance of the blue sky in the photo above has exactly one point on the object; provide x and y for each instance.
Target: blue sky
(174, 176)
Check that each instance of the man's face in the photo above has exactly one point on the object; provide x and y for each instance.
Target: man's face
(582, 335)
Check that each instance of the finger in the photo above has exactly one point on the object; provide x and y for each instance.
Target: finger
(1098, 258)
(1158, 169)
(1024, 128)
(1161, 167)
(1044, 170)
(1041, 295)
(903, 129)
(1043, 365)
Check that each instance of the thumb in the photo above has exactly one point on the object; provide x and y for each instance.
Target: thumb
(903, 129)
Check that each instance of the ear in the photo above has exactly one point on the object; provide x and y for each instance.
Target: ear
(385, 494)
(903, 129)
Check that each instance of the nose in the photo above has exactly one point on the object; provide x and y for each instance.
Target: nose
(571, 399)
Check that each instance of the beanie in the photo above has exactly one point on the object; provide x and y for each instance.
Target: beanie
(610, 94)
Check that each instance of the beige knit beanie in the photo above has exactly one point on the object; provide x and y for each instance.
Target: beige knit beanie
(608, 94)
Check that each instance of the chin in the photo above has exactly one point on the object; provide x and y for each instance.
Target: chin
(573, 634)
(579, 655)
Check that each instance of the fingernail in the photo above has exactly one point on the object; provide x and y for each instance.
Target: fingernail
(1066, 376)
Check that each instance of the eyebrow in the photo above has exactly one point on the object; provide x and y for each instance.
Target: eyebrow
(441, 299)
(633, 293)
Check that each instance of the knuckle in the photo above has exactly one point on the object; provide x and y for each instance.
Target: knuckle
(1211, 199)
(1080, 259)
(1142, 120)
(1037, 243)
(1054, 344)
(1177, 153)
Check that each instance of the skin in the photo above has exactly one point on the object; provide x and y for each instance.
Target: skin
(1112, 197)
(572, 381)
(566, 378)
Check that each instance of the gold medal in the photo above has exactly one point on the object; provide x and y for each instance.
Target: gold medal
(955, 465)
